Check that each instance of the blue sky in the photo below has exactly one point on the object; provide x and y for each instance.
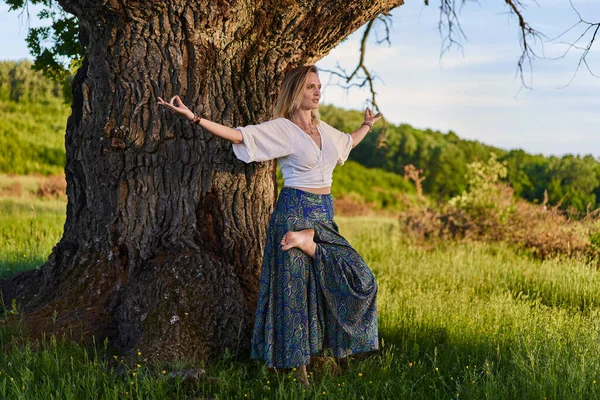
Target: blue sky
(474, 92)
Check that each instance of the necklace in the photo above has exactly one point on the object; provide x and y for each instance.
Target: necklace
(313, 134)
(310, 130)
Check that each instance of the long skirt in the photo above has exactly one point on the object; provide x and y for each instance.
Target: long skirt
(306, 307)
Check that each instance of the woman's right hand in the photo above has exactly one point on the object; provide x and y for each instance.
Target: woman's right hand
(176, 106)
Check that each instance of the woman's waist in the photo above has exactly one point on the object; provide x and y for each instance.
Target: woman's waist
(313, 190)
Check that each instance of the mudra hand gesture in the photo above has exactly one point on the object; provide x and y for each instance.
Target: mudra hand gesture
(175, 105)
(370, 119)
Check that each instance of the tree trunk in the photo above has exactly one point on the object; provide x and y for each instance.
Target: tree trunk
(164, 234)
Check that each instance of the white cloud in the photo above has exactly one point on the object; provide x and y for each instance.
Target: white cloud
(479, 95)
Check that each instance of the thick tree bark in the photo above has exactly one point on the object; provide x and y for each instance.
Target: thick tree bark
(164, 233)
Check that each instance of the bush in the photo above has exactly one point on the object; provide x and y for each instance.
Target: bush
(52, 187)
(488, 211)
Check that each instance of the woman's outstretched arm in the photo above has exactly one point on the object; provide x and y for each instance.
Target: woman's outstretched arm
(359, 134)
(176, 106)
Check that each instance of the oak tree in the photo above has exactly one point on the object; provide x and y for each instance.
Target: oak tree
(163, 238)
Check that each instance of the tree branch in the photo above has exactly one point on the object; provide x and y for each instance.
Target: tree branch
(594, 28)
(526, 33)
(355, 79)
(450, 23)
(452, 33)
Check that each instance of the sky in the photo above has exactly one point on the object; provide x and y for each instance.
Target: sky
(474, 91)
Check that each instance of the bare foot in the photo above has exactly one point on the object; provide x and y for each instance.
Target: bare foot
(302, 376)
(302, 240)
(326, 364)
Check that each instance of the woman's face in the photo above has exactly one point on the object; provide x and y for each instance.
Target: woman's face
(312, 92)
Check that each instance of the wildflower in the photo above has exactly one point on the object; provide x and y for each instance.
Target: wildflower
(134, 374)
(116, 357)
(22, 387)
(131, 382)
(138, 365)
(594, 382)
(293, 369)
(324, 393)
(487, 372)
(294, 379)
(339, 385)
(12, 379)
(370, 382)
(126, 393)
(245, 394)
(473, 382)
(436, 369)
(410, 364)
(360, 374)
(164, 371)
(139, 353)
(268, 382)
(457, 394)
(467, 367)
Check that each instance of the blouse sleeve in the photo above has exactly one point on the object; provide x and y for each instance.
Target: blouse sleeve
(262, 142)
(343, 143)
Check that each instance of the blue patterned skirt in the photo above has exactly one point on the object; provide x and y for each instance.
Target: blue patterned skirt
(306, 307)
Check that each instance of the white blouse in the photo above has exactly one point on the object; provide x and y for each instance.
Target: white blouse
(301, 161)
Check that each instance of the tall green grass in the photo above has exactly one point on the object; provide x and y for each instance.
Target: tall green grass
(462, 320)
(29, 228)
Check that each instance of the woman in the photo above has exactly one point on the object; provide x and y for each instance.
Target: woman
(316, 295)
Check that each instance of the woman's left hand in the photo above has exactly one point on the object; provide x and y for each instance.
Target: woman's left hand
(370, 118)
(176, 106)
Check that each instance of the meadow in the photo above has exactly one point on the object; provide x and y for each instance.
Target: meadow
(457, 320)
(485, 310)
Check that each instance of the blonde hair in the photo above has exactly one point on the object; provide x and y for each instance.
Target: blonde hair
(290, 95)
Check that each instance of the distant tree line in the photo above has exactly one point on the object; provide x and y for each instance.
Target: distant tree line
(571, 181)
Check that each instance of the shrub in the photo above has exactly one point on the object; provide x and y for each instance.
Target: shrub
(14, 189)
(52, 187)
(488, 211)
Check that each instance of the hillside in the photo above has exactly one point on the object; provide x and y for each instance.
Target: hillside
(33, 118)
(572, 181)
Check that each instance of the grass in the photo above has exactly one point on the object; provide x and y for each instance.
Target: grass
(32, 136)
(29, 228)
(458, 321)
